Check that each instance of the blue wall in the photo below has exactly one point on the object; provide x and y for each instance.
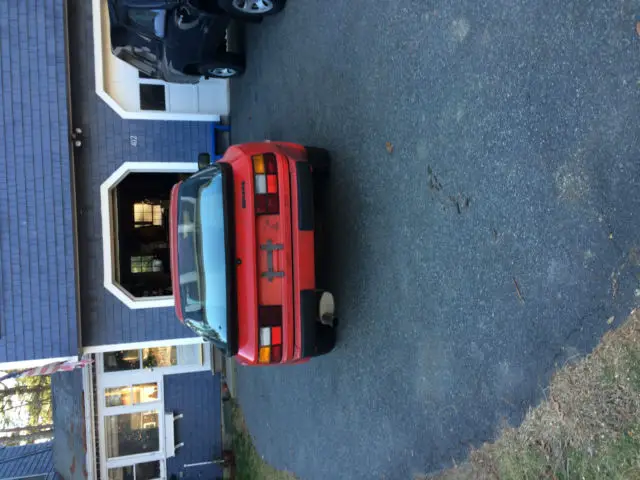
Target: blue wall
(37, 303)
(69, 449)
(197, 396)
(26, 460)
(105, 320)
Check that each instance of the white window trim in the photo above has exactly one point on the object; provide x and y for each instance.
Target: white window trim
(89, 424)
(136, 345)
(109, 232)
(102, 42)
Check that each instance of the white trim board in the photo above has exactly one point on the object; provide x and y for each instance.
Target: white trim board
(89, 416)
(108, 239)
(25, 364)
(136, 345)
(100, 37)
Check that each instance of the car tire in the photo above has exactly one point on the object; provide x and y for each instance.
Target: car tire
(241, 8)
(225, 65)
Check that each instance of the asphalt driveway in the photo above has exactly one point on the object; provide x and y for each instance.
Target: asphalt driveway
(515, 133)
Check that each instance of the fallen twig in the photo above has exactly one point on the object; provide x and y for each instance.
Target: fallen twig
(518, 292)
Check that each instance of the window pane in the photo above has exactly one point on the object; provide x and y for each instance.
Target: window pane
(147, 471)
(143, 264)
(152, 97)
(122, 360)
(143, 393)
(146, 392)
(159, 357)
(157, 215)
(121, 473)
(117, 396)
(132, 433)
(143, 18)
(145, 214)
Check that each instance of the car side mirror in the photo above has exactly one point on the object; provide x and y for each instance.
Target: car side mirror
(204, 161)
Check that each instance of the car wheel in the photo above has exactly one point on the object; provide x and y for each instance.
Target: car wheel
(251, 9)
(226, 65)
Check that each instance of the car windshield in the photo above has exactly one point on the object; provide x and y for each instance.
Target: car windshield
(202, 260)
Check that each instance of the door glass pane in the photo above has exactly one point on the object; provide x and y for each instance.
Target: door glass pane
(159, 357)
(143, 393)
(132, 433)
(122, 360)
(146, 392)
(121, 473)
(191, 354)
(117, 396)
(147, 471)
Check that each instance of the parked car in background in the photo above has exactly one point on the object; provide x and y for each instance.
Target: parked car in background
(244, 257)
(182, 41)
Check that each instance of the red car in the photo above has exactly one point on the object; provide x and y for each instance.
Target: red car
(243, 254)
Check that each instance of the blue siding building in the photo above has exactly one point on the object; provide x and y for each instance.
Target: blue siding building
(84, 185)
(28, 461)
(38, 311)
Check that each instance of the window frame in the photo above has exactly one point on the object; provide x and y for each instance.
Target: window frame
(134, 469)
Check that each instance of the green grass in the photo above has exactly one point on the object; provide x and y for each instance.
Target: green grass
(615, 460)
(588, 427)
(249, 464)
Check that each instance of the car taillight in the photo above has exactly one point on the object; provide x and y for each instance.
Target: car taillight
(265, 180)
(270, 324)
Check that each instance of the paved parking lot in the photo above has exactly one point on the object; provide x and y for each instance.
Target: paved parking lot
(491, 245)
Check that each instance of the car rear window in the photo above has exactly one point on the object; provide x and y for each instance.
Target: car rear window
(202, 258)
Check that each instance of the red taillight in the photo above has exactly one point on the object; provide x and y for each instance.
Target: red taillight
(265, 182)
(270, 334)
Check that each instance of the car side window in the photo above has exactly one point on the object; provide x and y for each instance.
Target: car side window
(152, 21)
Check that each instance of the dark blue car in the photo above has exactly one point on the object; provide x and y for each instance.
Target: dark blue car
(182, 41)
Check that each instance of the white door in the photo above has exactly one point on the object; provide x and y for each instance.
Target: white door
(208, 97)
(130, 405)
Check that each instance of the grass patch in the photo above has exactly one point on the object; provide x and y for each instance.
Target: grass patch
(588, 428)
(249, 464)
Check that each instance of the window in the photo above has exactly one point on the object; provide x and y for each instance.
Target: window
(145, 214)
(131, 394)
(140, 471)
(145, 264)
(132, 433)
(122, 360)
(159, 357)
(147, 358)
(152, 97)
(150, 20)
(202, 271)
